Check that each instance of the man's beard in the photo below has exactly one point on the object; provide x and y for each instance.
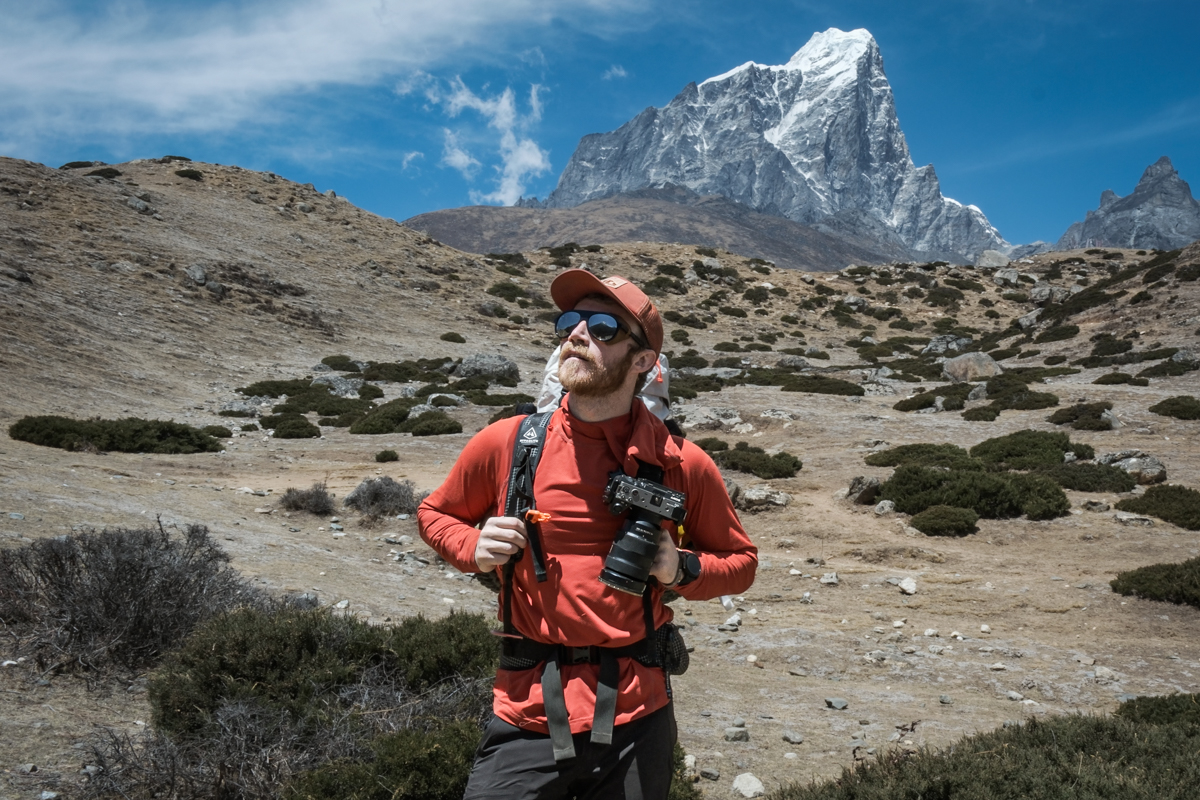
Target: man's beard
(582, 377)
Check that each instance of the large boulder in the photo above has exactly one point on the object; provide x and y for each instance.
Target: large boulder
(992, 258)
(945, 343)
(1007, 278)
(342, 387)
(708, 418)
(1145, 469)
(970, 367)
(489, 366)
(1029, 320)
(863, 490)
(762, 497)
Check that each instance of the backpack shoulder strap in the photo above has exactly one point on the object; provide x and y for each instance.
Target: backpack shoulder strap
(527, 451)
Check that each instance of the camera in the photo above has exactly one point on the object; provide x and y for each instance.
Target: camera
(627, 566)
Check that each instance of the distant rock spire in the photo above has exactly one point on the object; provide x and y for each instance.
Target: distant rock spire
(1160, 212)
(815, 140)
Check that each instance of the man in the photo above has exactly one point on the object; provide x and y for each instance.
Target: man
(581, 700)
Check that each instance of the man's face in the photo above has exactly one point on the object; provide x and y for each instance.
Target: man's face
(589, 368)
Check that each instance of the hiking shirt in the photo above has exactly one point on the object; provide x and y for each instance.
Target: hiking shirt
(572, 607)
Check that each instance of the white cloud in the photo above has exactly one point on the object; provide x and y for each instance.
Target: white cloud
(409, 158)
(121, 67)
(458, 158)
(615, 71)
(520, 156)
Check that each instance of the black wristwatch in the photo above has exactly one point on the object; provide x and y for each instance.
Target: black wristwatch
(689, 568)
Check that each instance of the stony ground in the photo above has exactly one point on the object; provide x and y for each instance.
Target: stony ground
(109, 324)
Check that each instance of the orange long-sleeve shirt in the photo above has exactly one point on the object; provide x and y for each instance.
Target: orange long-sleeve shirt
(573, 607)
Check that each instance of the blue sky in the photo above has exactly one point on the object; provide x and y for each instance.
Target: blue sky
(1027, 109)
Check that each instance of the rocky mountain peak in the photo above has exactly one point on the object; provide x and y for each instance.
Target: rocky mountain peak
(1160, 212)
(808, 140)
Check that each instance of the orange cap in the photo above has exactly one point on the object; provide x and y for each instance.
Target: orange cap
(574, 284)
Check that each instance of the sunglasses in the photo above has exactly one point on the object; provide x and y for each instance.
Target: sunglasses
(602, 326)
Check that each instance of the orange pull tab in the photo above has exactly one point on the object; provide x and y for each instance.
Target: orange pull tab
(537, 517)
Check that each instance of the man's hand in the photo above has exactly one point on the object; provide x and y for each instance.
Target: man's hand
(666, 560)
(499, 539)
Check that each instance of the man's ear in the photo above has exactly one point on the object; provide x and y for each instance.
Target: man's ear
(644, 360)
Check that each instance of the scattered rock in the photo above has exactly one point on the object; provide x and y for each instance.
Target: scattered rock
(863, 490)
(836, 703)
(342, 387)
(791, 737)
(1136, 520)
(1006, 278)
(946, 700)
(197, 273)
(762, 496)
(908, 586)
(342, 604)
(710, 418)
(1014, 695)
(970, 367)
(710, 773)
(734, 734)
(994, 258)
(1105, 674)
(1030, 320)
(799, 672)
(487, 365)
(748, 786)
(793, 362)
(884, 507)
(998, 667)
(944, 343)
(830, 579)
(1096, 505)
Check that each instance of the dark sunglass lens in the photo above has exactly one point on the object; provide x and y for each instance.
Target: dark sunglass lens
(566, 323)
(603, 327)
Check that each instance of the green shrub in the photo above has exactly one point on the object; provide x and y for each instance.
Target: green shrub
(116, 598)
(727, 347)
(732, 311)
(384, 456)
(169, 159)
(386, 418)
(923, 455)
(943, 296)
(430, 423)
(507, 290)
(277, 388)
(251, 426)
(755, 460)
(818, 354)
(190, 174)
(757, 295)
(820, 384)
(291, 426)
(1029, 449)
(1058, 333)
(105, 172)
(385, 497)
(407, 765)
(482, 398)
(1070, 756)
(296, 661)
(218, 431)
(233, 412)
(711, 444)
(1041, 497)
(130, 435)
(699, 362)
(77, 164)
(1183, 406)
(1083, 416)
(369, 391)
(1113, 378)
(1108, 345)
(1168, 369)
(954, 397)
(914, 489)
(1009, 391)
(1055, 359)
(1163, 709)
(1087, 477)
(341, 363)
(1015, 297)
(987, 413)
(1172, 583)
(1175, 504)
(316, 500)
(945, 521)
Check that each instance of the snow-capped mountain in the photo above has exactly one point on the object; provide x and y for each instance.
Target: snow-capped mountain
(1160, 212)
(815, 140)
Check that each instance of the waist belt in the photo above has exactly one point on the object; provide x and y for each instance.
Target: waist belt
(521, 654)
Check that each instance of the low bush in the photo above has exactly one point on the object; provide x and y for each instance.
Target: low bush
(1058, 333)
(481, 398)
(384, 497)
(755, 460)
(820, 384)
(251, 426)
(386, 418)
(1087, 477)
(432, 423)
(507, 290)
(115, 598)
(190, 174)
(234, 412)
(1114, 378)
(1163, 709)
(341, 363)
(1029, 449)
(699, 362)
(1175, 504)
(1183, 406)
(945, 521)
(130, 435)
(1058, 359)
(711, 444)
(733, 311)
(294, 426)
(218, 431)
(923, 455)
(1168, 369)
(384, 456)
(954, 397)
(316, 500)
(276, 388)
(451, 336)
(1172, 583)
(1070, 756)
(105, 172)
(1083, 416)
(987, 413)
(914, 489)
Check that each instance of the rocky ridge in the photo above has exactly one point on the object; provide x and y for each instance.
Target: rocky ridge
(1160, 212)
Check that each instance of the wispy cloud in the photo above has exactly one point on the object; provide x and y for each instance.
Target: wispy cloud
(409, 158)
(520, 156)
(122, 67)
(615, 71)
(1177, 117)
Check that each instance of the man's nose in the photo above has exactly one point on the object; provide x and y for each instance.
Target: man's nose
(579, 332)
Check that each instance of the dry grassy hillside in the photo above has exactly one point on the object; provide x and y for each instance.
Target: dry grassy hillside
(103, 316)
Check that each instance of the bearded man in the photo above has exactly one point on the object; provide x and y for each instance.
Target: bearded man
(582, 700)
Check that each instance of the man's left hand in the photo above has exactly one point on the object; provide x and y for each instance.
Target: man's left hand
(666, 560)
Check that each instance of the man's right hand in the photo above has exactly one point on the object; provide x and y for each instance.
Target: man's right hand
(499, 539)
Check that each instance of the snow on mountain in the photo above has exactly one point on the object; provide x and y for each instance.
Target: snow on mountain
(815, 140)
(1160, 212)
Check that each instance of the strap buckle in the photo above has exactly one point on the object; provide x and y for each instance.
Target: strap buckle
(580, 655)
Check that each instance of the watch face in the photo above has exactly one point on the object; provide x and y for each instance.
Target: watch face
(691, 566)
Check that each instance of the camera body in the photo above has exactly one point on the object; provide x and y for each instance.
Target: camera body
(627, 566)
